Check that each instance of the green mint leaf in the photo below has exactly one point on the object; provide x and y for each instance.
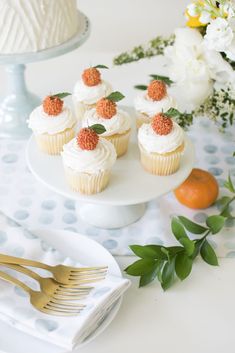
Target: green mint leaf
(221, 203)
(178, 229)
(208, 254)
(168, 274)
(192, 227)
(183, 265)
(141, 87)
(215, 223)
(229, 185)
(197, 248)
(173, 250)
(165, 79)
(188, 245)
(148, 251)
(116, 96)
(224, 206)
(98, 128)
(172, 113)
(61, 95)
(180, 234)
(149, 277)
(140, 267)
(100, 67)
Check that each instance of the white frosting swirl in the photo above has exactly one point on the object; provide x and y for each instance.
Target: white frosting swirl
(155, 143)
(146, 105)
(118, 124)
(91, 94)
(41, 123)
(100, 159)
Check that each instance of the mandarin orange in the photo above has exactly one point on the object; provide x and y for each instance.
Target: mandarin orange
(200, 190)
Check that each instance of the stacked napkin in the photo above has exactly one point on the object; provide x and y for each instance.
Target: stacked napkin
(16, 310)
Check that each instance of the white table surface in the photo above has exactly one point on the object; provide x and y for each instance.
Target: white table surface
(198, 315)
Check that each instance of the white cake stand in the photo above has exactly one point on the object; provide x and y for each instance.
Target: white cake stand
(124, 200)
(18, 101)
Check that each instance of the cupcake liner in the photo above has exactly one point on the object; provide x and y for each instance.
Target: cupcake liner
(120, 142)
(85, 183)
(161, 164)
(53, 144)
(81, 108)
(142, 119)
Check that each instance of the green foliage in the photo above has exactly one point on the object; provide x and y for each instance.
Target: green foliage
(183, 119)
(154, 47)
(141, 87)
(101, 67)
(61, 95)
(167, 263)
(98, 128)
(115, 96)
(165, 79)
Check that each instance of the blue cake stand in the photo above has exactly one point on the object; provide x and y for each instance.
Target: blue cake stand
(18, 102)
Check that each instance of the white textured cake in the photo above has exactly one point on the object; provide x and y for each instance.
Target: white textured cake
(33, 25)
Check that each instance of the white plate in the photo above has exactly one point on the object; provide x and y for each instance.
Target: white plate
(130, 184)
(77, 247)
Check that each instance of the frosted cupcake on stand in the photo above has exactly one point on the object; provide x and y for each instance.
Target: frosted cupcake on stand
(161, 145)
(88, 160)
(53, 124)
(153, 101)
(89, 89)
(116, 121)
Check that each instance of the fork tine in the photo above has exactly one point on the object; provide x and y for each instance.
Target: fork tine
(59, 303)
(63, 307)
(85, 281)
(69, 294)
(87, 269)
(86, 273)
(58, 312)
(56, 308)
(75, 288)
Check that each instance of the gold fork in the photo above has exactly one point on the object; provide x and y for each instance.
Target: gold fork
(52, 288)
(61, 273)
(44, 303)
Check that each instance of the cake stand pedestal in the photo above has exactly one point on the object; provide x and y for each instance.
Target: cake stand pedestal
(124, 200)
(18, 102)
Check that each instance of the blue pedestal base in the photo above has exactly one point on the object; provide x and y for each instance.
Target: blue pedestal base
(16, 106)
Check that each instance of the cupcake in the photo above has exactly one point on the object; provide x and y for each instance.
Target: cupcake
(53, 124)
(88, 90)
(156, 100)
(116, 121)
(161, 145)
(88, 161)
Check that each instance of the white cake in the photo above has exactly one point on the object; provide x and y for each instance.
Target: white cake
(33, 25)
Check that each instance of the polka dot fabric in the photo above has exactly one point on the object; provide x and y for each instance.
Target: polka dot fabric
(30, 203)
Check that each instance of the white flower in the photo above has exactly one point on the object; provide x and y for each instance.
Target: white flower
(219, 35)
(205, 17)
(193, 94)
(192, 10)
(220, 70)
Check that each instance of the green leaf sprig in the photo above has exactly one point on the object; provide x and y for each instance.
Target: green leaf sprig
(165, 79)
(154, 47)
(167, 263)
(183, 119)
(98, 128)
(61, 95)
(115, 96)
(100, 67)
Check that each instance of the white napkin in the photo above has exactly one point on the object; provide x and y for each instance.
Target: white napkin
(16, 310)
